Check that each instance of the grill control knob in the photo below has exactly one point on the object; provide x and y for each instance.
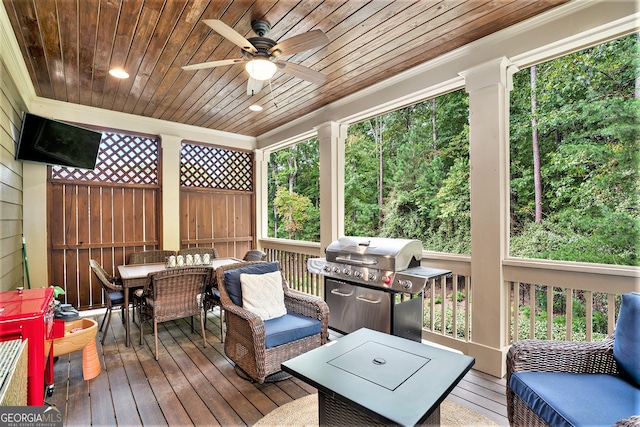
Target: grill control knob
(357, 274)
(405, 284)
(336, 269)
(372, 277)
(346, 272)
(327, 268)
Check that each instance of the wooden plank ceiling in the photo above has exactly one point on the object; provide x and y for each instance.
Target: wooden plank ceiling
(69, 46)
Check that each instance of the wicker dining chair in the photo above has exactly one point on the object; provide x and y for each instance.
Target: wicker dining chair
(255, 255)
(246, 339)
(192, 251)
(173, 294)
(150, 257)
(114, 294)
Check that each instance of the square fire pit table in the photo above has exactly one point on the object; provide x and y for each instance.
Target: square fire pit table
(372, 378)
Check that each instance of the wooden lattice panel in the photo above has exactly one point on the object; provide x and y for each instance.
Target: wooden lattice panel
(122, 159)
(211, 167)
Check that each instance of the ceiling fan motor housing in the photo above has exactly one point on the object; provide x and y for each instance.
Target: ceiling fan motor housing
(260, 27)
(263, 45)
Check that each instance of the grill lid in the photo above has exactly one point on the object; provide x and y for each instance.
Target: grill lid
(375, 252)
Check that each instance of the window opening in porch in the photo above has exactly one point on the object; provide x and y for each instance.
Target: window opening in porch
(407, 174)
(574, 184)
(294, 192)
(574, 157)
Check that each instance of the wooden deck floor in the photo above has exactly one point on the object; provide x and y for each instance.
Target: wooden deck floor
(192, 385)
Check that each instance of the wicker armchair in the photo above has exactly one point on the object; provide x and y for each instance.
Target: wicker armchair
(246, 341)
(255, 255)
(553, 356)
(173, 294)
(113, 290)
(149, 257)
(192, 251)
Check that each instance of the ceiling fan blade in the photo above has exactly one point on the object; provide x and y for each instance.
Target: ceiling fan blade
(230, 34)
(254, 86)
(212, 64)
(300, 43)
(302, 72)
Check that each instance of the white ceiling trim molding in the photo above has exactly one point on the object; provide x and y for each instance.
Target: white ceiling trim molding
(130, 122)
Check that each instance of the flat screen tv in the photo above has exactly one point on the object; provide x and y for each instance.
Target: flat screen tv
(53, 142)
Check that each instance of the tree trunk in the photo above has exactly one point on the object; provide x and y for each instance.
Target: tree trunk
(275, 208)
(537, 179)
(636, 93)
(293, 171)
(376, 130)
(433, 123)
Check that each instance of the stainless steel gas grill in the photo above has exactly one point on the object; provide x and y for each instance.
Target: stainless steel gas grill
(374, 283)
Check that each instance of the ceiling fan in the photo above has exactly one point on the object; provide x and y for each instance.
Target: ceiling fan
(261, 55)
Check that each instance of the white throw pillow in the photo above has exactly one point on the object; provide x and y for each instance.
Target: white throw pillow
(263, 295)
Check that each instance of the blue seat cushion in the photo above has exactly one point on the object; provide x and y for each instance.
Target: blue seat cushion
(626, 346)
(568, 399)
(290, 327)
(116, 297)
(232, 278)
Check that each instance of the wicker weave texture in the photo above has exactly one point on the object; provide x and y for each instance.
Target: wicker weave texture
(334, 412)
(254, 255)
(150, 257)
(109, 285)
(557, 356)
(173, 294)
(245, 339)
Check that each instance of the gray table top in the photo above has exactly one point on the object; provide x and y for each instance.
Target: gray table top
(391, 379)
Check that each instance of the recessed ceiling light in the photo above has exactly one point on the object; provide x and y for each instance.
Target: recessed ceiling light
(119, 73)
(255, 107)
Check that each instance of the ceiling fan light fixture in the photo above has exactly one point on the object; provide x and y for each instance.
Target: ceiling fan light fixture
(261, 69)
(119, 73)
(255, 107)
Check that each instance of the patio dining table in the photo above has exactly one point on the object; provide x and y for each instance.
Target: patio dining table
(135, 276)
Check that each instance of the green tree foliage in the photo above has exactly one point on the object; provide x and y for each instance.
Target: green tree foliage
(587, 122)
(295, 170)
(588, 129)
(295, 212)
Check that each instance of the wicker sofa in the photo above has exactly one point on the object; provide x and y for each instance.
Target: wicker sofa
(258, 346)
(559, 383)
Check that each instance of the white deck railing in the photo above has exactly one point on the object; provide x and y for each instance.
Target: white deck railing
(582, 297)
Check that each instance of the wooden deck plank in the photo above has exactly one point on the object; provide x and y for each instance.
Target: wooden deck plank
(148, 408)
(193, 385)
(121, 390)
(227, 401)
(169, 355)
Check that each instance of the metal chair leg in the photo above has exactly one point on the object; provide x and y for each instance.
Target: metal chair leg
(104, 334)
(155, 334)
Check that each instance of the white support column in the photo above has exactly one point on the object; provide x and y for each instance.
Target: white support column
(261, 191)
(332, 136)
(170, 146)
(488, 86)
